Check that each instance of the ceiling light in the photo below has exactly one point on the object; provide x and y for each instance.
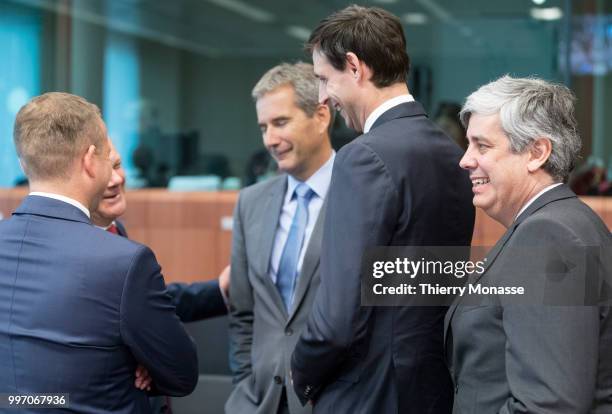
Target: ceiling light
(550, 13)
(245, 10)
(385, 1)
(538, 2)
(299, 32)
(415, 18)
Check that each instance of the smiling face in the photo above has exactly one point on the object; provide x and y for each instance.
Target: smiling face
(339, 88)
(500, 178)
(299, 143)
(113, 203)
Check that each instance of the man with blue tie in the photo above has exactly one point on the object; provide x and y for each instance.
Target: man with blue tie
(277, 240)
(80, 308)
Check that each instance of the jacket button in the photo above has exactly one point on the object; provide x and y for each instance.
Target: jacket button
(289, 332)
(278, 379)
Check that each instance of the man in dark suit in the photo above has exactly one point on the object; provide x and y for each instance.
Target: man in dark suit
(397, 184)
(548, 350)
(277, 241)
(197, 301)
(80, 308)
(193, 302)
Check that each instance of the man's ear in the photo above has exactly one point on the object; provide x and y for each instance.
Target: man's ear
(353, 64)
(89, 160)
(323, 115)
(357, 67)
(539, 152)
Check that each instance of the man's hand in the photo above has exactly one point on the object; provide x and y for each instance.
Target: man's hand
(143, 379)
(224, 281)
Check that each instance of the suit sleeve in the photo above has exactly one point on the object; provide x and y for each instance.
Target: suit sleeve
(197, 301)
(361, 213)
(551, 351)
(152, 331)
(241, 303)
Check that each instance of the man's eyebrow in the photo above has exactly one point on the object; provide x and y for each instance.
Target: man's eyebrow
(280, 118)
(478, 138)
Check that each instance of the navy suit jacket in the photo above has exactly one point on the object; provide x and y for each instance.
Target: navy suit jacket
(80, 308)
(195, 301)
(398, 185)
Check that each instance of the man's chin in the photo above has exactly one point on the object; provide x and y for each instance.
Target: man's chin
(114, 209)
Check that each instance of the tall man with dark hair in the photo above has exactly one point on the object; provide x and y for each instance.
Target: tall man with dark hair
(79, 307)
(397, 184)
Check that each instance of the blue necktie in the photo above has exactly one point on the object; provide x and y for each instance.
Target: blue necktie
(287, 268)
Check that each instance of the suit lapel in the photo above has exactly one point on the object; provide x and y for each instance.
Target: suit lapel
(310, 263)
(490, 259)
(268, 225)
(403, 110)
(559, 193)
(269, 222)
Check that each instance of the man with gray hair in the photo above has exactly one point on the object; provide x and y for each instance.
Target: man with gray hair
(520, 354)
(277, 233)
(79, 307)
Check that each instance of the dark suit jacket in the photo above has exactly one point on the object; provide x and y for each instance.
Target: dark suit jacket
(195, 301)
(515, 355)
(198, 300)
(121, 230)
(80, 308)
(399, 184)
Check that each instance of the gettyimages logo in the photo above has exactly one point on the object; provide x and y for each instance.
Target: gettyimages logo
(412, 268)
(435, 276)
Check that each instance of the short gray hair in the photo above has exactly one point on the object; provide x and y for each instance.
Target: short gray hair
(301, 76)
(530, 108)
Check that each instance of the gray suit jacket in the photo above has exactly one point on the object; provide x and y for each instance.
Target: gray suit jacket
(511, 357)
(262, 334)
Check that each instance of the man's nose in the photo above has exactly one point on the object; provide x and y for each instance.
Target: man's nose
(271, 137)
(468, 161)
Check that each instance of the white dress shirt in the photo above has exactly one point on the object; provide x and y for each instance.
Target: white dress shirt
(64, 199)
(384, 107)
(534, 198)
(319, 183)
(107, 227)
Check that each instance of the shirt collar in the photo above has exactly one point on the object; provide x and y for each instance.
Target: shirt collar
(318, 182)
(64, 199)
(534, 198)
(384, 107)
(107, 227)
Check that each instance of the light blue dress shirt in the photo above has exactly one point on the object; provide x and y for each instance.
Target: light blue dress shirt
(319, 183)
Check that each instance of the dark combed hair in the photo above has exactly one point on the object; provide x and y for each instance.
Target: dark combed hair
(373, 34)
